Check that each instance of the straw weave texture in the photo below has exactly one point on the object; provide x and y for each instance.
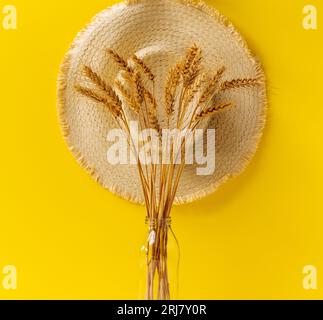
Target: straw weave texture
(160, 32)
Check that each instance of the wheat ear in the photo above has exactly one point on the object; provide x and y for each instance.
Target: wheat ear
(211, 86)
(211, 111)
(172, 83)
(101, 84)
(126, 95)
(239, 83)
(139, 88)
(194, 89)
(145, 69)
(121, 62)
(152, 111)
(191, 65)
(114, 108)
(94, 77)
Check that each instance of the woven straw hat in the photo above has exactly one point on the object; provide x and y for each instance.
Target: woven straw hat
(160, 32)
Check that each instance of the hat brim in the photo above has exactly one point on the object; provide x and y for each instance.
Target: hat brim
(161, 31)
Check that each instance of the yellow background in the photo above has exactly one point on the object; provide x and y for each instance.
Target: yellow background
(69, 238)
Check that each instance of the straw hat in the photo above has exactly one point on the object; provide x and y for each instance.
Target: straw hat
(160, 32)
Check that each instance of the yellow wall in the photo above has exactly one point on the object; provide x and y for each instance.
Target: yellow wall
(69, 238)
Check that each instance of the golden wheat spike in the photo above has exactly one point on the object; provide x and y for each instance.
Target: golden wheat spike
(89, 93)
(172, 83)
(139, 88)
(145, 69)
(126, 96)
(152, 116)
(212, 110)
(191, 54)
(121, 62)
(101, 84)
(94, 77)
(194, 89)
(211, 86)
(239, 83)
(115, 109)
(150, 99)
(191, 65)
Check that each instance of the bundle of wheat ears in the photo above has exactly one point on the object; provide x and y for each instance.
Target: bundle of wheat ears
(189, 99)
